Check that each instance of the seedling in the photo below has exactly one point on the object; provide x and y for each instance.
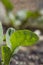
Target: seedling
(14, 40)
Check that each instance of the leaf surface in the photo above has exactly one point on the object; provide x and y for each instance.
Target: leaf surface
(23, 38)
(6, 55)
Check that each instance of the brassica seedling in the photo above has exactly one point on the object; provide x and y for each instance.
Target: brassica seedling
(16, 38)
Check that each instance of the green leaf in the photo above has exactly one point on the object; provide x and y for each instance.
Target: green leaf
(6, 55)
(1, 34)
(23, 38)
(8, 34)
(7, 4)
(32, 14)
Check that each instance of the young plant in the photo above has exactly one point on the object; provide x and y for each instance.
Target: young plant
(16, 39)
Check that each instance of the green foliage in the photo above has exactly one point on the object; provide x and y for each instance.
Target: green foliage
(6, 52)
(23, 38)
(7, 4)
(18, 38)
(34, 14)
(6, 55)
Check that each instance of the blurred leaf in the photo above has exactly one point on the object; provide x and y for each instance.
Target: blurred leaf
(7, 4)
(1, 34)
(6, 55)
(23, 38)
(32, 14)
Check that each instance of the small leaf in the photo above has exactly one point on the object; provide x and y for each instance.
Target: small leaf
(1, 34)
(8, 34)
(23, 38)
(6, 55)
(7, 4)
